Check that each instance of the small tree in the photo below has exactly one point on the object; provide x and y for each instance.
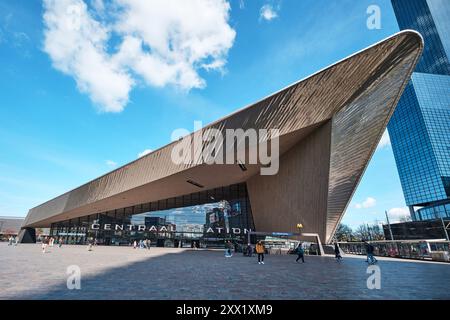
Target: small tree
(362, 233)
(343, 233)
(366, 232)
(377, 232)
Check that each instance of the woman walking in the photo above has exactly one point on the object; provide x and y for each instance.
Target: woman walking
(260, 251)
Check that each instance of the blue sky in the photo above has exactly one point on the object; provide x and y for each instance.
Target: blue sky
(63, 124)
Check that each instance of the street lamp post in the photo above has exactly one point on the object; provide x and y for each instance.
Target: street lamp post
(389, 225)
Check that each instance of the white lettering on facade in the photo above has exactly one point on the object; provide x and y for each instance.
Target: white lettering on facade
(170, 228)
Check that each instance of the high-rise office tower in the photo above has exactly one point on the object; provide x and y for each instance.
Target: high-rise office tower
(420, 126)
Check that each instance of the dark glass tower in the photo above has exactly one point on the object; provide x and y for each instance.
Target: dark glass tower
(420, 126)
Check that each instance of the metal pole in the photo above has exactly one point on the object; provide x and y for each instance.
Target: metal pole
(389, 225)
(368, 231)
(445, 229)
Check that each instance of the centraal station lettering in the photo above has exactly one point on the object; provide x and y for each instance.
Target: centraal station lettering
(170, 228)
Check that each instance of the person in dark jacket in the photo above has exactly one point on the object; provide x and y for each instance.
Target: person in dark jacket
(369, 250)
(337, 252)
(249, 250)
(300, 253)
(228, 247)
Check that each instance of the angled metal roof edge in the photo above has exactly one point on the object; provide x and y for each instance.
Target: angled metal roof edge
(407, 31)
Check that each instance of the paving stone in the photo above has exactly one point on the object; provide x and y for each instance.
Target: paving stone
(169, 273)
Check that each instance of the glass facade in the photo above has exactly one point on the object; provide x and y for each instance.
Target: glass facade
(433, 212)
(417, 15)
(206, 219)
(420, 126)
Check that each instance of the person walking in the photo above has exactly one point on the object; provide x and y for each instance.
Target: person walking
(369, 250)
(260, 251)
(300, 253)
(249, 250)
(44, 244)
(134, 244)
(337, 252)
(228, 249)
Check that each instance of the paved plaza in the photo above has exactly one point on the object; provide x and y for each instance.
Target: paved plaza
(168, 273)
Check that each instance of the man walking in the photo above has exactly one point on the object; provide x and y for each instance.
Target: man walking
(260, 251)
(300, 253)
(369, 250)
(228, 253)
(249, 250)
(337, 252)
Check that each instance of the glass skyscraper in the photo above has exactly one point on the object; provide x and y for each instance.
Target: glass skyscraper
(420, 126)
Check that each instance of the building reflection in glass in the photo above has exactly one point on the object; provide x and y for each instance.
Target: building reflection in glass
(199, 217)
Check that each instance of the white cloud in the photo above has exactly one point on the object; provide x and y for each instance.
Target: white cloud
(143, 153)
(368, 203)
(398, 214)
(268, 12)
(163, 42)
(111, 163)
(385, 141)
